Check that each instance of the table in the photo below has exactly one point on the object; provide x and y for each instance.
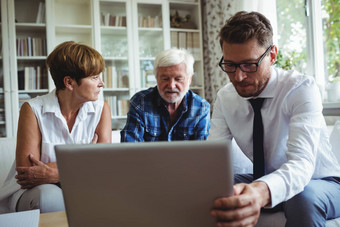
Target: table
(53, 219)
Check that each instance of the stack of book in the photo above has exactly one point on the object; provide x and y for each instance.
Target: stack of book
(113, 20)
(118, 107)
(29, 46)
(32, 78)
(150, 22)
(114, 78)
(112, 101)
(186, 40)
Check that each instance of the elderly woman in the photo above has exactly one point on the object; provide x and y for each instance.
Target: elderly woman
(70, 114)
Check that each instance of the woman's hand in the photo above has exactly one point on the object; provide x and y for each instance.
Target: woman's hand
(95, 138)
(37, 174)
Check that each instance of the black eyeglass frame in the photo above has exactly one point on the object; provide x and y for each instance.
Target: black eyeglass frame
(221, 63)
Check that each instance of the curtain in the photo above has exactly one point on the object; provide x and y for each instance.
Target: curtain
(214, 14)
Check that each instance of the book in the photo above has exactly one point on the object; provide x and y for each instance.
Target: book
(109, 77)
(29, 46)
(106, 19)
(104, 77)
(123, 81)
(123, 21)
(21, 79)
(44, 77)
(112, 102)
(118, 21)
(114, 80)
(38, 77)
(174, 39)
(123, 107)
(196, 44)
(114, 105)
(41, 13)
(149, 79)
(112, 20)
(189, 44)
(158, 22)
(182, 40)
(27, 78)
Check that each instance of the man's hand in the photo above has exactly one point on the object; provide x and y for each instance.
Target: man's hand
(244, 207)
(37, 174)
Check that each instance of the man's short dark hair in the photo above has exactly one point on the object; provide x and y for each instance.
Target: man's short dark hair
(244, 26)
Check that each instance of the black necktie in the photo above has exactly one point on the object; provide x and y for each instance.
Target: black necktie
(258, 154)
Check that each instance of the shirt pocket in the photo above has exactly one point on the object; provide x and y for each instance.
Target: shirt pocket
(187, 133)
(152, 134)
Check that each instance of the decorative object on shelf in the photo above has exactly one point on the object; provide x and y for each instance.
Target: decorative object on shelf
(176, 21)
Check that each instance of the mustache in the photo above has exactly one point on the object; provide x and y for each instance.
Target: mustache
(171, 90)
(243, 83)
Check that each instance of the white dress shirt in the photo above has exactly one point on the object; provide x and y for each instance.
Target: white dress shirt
(296, 140)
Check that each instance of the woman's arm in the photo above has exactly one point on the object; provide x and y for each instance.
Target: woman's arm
(28, 137)
(104, 128)
(31, 171)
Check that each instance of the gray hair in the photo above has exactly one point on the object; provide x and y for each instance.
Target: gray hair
(174, 56)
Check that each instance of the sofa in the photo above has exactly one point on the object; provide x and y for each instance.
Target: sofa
(7, 155)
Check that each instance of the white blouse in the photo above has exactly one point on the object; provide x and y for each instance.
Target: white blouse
(54, 131)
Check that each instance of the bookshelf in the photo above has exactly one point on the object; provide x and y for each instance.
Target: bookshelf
(151, 37)
(128, 33)
(186, 32)
(29, 27)
(72, 20)
(115, 29)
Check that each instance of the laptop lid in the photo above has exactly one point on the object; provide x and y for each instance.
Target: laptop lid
(144, 184)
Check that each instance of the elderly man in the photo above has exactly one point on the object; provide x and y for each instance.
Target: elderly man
(169, 111)
(275, 117)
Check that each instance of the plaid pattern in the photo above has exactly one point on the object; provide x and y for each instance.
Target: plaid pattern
(148, 118)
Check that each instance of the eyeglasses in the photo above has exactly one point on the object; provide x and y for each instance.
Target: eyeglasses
(245, 67)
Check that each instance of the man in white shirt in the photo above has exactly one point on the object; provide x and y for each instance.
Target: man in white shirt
(299, 171)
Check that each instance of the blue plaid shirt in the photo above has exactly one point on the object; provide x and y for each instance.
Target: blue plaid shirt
(148, 118)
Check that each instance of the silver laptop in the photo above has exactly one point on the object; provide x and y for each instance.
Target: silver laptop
(144, 184)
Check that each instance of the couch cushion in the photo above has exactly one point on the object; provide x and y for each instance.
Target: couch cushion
(7, 155)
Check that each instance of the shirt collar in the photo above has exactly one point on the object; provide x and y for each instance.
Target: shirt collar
(51, 105)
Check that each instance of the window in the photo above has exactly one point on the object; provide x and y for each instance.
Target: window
(308, 40)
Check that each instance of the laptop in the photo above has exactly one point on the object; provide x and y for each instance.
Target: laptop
(144, 184)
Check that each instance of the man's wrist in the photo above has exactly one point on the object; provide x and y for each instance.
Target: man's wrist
(264, 192)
